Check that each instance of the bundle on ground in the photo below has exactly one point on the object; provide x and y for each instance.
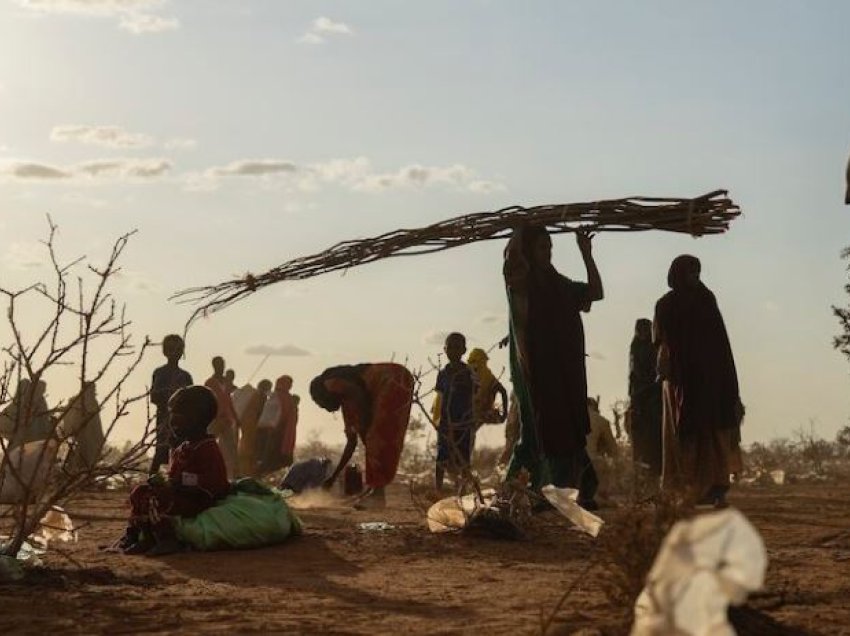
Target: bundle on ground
(709, 214)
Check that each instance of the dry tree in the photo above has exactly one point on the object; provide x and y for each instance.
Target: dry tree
(71, 325)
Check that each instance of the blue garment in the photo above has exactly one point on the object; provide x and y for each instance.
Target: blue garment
(456, 385)
(307, 474)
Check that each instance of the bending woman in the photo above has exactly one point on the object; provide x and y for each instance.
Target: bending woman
(375, 400)
(547, 355)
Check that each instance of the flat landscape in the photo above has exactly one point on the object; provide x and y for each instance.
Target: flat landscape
(340, 579)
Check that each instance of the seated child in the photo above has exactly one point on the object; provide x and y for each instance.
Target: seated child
(197, 477)
(454, 410)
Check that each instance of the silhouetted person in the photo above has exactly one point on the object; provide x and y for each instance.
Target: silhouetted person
(248, 419)
(645, 399)
(196, 480)
(454, 411)
(375, 400)
(547, 353)
(167, 380)
(225, 426)
(230, 380)
(702, 406)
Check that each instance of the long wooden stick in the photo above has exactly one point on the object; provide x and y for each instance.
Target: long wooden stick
(711, 213)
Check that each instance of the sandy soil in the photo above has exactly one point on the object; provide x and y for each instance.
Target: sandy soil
(337, 579)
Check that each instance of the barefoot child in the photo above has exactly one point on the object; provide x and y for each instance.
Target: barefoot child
(455, 411)
(196, 480)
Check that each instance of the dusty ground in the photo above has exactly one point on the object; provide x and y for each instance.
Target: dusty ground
(338, 580)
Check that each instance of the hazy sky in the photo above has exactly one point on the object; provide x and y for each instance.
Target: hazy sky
(236, 134)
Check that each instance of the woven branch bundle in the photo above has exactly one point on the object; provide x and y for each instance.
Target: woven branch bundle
(709, 214)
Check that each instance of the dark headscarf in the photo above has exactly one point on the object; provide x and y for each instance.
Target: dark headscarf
(702, 367)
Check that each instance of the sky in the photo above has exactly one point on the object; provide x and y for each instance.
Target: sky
(235, 135)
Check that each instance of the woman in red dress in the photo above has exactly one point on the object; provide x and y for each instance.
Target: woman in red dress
(375, 400)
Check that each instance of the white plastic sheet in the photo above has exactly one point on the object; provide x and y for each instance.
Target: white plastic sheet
(452, 513)
(704, 565)
(26, 468)
(565, 501)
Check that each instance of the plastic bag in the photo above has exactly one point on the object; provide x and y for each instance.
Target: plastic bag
(704, 565)
(242, 398)
(452, 513)
(26, 468)
(565, 501)
(271, 413)
(241, 520)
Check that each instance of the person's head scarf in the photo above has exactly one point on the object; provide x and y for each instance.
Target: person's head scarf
(684, 272)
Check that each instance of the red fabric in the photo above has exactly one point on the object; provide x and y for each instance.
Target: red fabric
(199, 464)
(390, 388)
(288, 420)
(226, 411)
(166, 501)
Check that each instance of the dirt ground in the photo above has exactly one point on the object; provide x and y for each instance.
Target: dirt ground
(338, 579)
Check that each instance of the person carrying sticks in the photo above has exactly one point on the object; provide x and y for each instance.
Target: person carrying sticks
(547, 354)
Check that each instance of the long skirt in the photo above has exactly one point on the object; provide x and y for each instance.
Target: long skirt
(700, 462)
(391, 389)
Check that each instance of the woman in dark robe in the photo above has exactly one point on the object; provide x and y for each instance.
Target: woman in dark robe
(645, 400)
(547, 355)
(702, 406)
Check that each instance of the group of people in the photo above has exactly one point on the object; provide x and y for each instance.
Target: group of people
(255, 427)
(685, 410)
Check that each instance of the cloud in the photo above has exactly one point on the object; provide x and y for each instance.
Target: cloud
(322, 28)
(418, 176)
(108, 136)
(356, 174)
(90, 7)
(132, 15)
(32, 170)
(435, 338)
(492, 319)
(141, 23)
(125, 168)
(254, 168)
(22, 256)
(180, 143)
(284, 350)
(99, 169)
(137, 282)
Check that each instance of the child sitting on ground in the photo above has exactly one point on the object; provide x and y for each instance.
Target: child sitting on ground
(454, 411)
(197, 478)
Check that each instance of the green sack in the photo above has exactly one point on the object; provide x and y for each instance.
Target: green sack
(251, 517)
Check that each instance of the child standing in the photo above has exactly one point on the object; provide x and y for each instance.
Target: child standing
(167, 380)
(454, 410)
(197, 477)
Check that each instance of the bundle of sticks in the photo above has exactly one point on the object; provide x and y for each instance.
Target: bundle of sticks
(709, 214)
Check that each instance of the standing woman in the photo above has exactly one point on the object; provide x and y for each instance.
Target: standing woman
(645, 399)
(702, 405)
(547, 355)
(375, 400)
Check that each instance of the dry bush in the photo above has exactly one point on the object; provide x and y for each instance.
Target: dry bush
(628, 544)
(72, 325)
(805, 457)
